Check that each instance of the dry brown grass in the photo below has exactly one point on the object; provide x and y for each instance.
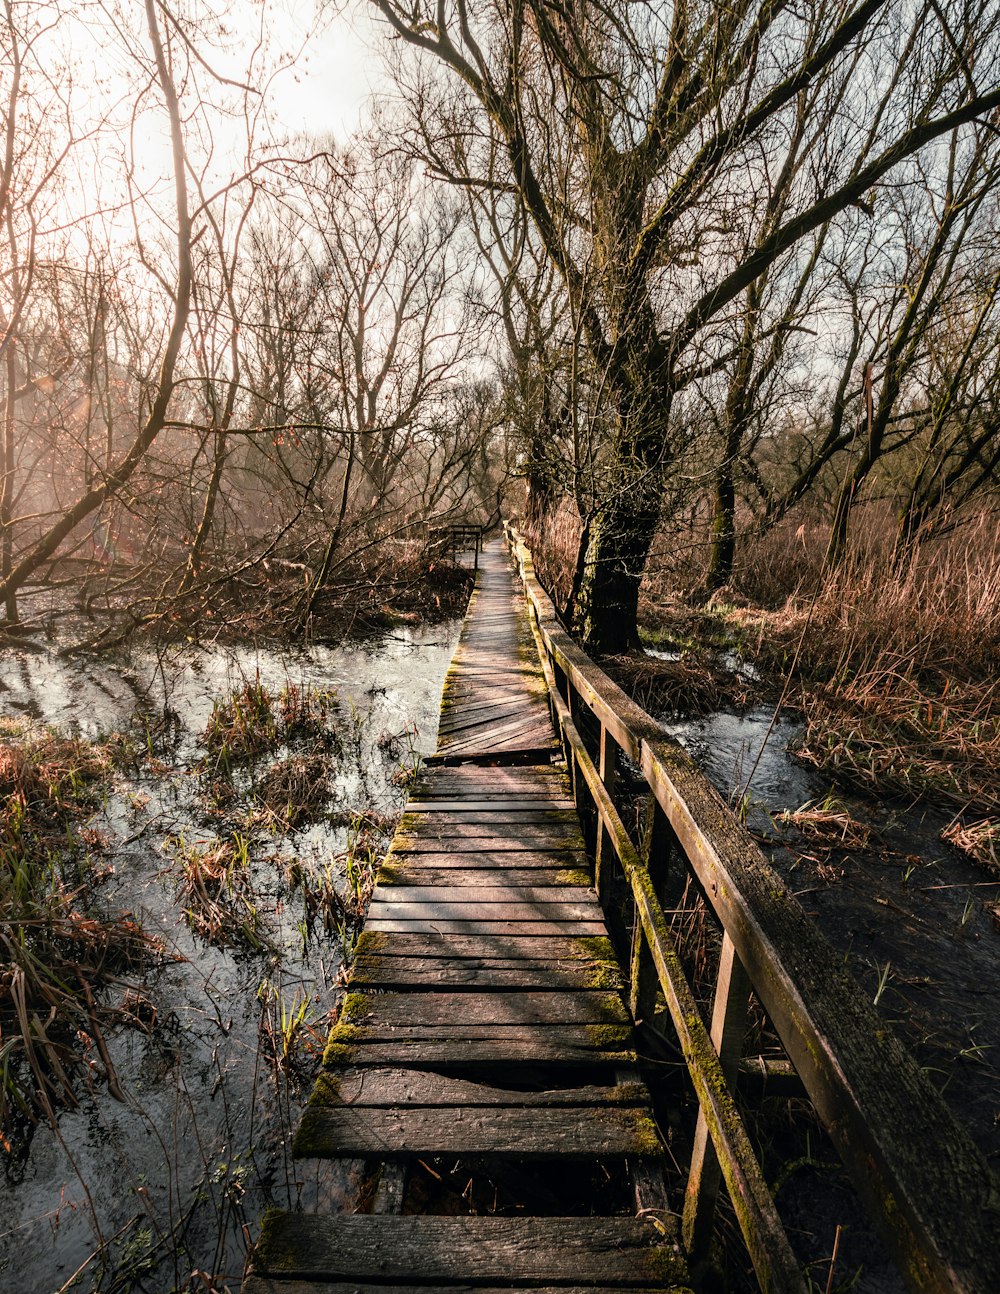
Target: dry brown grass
(554, 548)
(830, 825)
(979, 840)
(45, 776)
(296, 790)
(215, 887)
(895, 666)
(690, 685)
(56, 954)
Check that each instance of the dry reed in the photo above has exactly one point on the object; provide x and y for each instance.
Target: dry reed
(56, 954)
(979, 840)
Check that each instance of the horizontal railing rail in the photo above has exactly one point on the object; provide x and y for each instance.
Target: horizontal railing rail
(916, 1170)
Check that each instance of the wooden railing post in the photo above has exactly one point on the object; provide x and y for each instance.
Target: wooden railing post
(604, 852)
(658, 842)
(729, 1018)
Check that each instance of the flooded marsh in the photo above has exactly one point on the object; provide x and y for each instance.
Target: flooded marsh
(188, 846)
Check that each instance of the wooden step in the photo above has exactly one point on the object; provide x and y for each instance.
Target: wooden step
(497, 1132)
(434, 961)
(473, 854)
(281, 1285)
(408, 1087)
(582, 1253)
(431, 1047)
(497, 889)
(481, 803)
(381, 1012)
(471, 907)
(411, 873)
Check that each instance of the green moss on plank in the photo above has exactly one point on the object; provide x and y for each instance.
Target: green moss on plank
(371, 943)
(269, 1253)
(648, 1142)
(326, 1091)
(605, 975)
(608, 1037)
(355, 1007)
(596, 947)
(309, 1141)
(573, 876)
(337, 1053)
(338, 1048)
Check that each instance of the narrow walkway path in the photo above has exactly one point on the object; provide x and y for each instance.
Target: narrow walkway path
(483, 1037)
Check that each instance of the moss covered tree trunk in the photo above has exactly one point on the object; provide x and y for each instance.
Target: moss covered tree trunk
(622, 530)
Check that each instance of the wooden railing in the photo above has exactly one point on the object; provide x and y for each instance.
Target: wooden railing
(918, 1173)
(461, 538)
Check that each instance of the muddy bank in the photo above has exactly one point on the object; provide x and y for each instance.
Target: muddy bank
(88, 606)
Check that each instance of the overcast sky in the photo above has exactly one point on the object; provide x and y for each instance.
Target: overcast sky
(336, 73)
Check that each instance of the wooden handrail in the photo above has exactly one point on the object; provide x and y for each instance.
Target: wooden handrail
(459, 537)
(922, 1179)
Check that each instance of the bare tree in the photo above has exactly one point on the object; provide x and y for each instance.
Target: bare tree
(646, 144)
(123, 469)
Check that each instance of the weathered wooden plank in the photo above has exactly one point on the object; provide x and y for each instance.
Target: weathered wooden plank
(457, 1049)
(485, 894)
(469, 973)
(508, 821)
(509, 779)
(490, 797)
(502, 776)
(422, 1250)
(550, 929)
(464, 1010)
(433, 854)
(580, 1132)
(570, 949)
(498, 704)
(498, 805)
(511, 733)
(475, 910)
(590, 1037)
(279, 1285)
(531, 731)
(460, 837)
(503, 736)
(484, 840)
(392, 878)
(407, 1087)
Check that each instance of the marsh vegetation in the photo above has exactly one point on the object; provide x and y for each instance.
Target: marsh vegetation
(188, 852)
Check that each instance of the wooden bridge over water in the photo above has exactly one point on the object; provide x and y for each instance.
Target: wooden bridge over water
(488, 1025)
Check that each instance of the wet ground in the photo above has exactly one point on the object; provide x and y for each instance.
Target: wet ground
(164, 1189)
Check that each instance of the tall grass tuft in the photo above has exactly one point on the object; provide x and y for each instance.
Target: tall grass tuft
(899, 662)
(56, 956)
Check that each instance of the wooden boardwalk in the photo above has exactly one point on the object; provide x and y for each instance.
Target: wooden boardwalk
(483, 1025)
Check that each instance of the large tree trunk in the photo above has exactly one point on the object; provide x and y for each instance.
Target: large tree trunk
(640, 375)
(608, 600)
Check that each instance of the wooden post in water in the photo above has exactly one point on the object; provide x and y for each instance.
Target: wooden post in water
(729, 1017)
(604, 853)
